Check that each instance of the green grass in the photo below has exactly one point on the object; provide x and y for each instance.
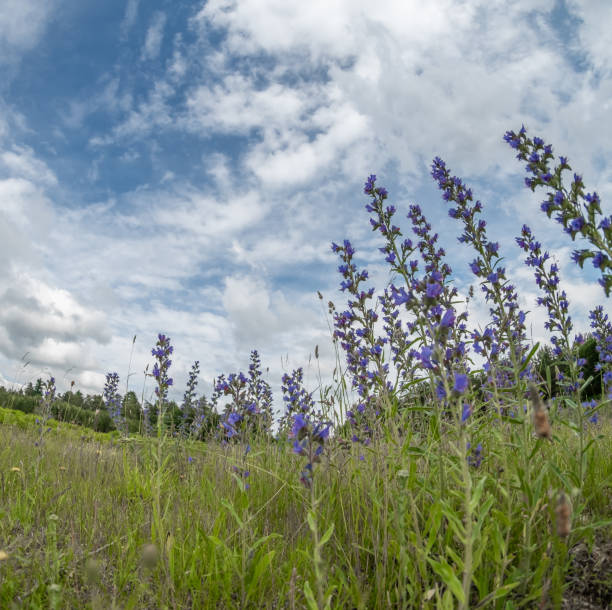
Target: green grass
(409, 519)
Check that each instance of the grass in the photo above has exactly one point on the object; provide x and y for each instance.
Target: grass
(76, 517)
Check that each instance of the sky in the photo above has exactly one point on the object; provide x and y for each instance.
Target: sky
(182, 167)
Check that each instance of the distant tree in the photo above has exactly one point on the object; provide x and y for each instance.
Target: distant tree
(588, 351)
(94, 402)
(202, 421)
(74, 398)
(34, 390)
(131, 406)
(549, 367)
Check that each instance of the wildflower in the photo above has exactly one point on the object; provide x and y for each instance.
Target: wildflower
(307, 431)
(162, 352)
(602, 333)
(568, 202)
(229, 425)
(251, 401)
(474, 457)
(461, 383)
(506, 334)
(112, 400)
(590, 412)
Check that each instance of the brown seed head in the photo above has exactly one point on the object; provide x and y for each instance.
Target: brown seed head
(563, 512)
(540, 414)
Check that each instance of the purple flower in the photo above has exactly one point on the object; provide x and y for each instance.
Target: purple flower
(474, 455)
(112, 400)
(598, 259)
(577, 223)
(369, 185)
(299, 423)
(433, 290)
(448, 319)
(162, 352)
(233, 419)
(461, 383)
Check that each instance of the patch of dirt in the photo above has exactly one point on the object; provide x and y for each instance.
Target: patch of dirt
(590, 578)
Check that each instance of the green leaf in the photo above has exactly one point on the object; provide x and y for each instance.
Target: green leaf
(261, 540)
(517, 421)
(310, 600)
(326, 535)
(312, 524)
(232, 510)
(455, 523)
(586, 383)
(478, 551)
(433, 525)
(497, 594)
(259, 569)
(449, 578)
(485, 508)
(592, 526)
(560, 476)
(530, 355)
(239, 481)
(477, 494)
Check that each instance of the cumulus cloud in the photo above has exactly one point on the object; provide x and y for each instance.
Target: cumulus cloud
(48, 323)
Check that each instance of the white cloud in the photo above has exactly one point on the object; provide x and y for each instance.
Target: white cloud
(592, 35)
(129, 18)
(22, 23)
(48, 323)
(155, 36)
(21, 162)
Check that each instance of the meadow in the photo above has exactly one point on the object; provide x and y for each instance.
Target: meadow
(447, 466)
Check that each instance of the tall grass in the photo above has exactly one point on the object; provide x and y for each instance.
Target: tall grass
(77, 531)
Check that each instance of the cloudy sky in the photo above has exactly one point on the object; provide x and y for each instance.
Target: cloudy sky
(182, 166)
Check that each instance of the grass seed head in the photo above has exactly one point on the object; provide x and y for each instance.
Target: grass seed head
(540, 414)
(563, 512)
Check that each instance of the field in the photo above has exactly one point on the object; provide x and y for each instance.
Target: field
(384, 526)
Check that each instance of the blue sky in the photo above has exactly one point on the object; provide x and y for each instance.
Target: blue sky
(182, 166)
